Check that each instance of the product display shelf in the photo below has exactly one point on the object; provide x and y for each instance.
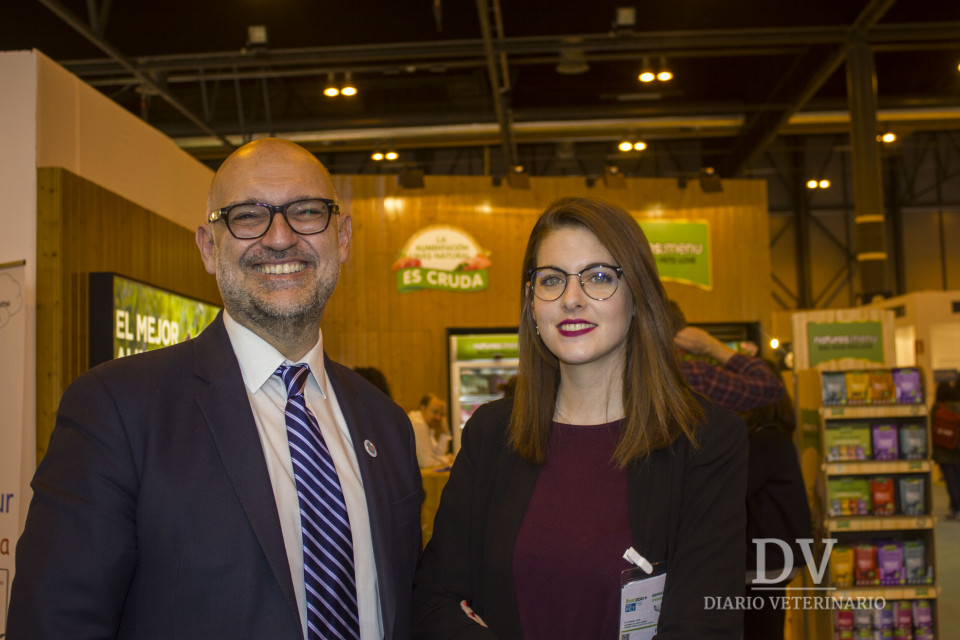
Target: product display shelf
(918, 592)
(815, 439)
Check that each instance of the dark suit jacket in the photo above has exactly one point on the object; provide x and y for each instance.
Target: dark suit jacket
(153, 515)
(686, 508)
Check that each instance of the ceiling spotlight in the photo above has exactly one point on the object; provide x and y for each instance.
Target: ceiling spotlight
(256, 35)
(639, 145)
(812, 184)
(613, 178)
(664, 75)
(625, 146)
(377, 155)
(331, 90)
(888, 137)
(625, 17)
(646, 73)
(348, 89)
(391, 155)
(710, 182)
(824, 184)
(517, 179)
(572, 62)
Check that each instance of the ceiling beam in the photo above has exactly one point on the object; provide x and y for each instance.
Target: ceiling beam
(462, 54)
(142, 78)
(796, 88)
(498, 75)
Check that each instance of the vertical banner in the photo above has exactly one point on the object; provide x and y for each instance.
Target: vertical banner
(13, 337)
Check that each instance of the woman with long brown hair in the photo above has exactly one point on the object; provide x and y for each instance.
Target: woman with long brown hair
(602, 448)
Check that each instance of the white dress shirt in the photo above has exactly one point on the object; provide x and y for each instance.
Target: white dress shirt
(431, 451)
(258, 363)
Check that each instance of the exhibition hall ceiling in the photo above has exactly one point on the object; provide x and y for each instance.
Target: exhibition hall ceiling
(500, 74)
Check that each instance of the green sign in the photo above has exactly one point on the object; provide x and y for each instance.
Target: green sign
(146, 318)
(681, 249)
(487, 347)
(415, 278)
(444, 258)
(828, 341)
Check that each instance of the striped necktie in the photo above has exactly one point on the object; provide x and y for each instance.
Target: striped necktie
(328, 572)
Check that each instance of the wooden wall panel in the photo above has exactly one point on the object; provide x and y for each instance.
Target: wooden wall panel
(368, 323)
(83, 228)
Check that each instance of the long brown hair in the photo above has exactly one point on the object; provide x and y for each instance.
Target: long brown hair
(658, 404)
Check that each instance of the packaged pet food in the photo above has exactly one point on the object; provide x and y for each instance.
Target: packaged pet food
(912, 500)
(883, 617)
(913, 442)
(848, 496)
(865, 565)
(881, 389)
(841, 566)
(914, 562)
(885, 441)
(843, 619)
(858, 387)
(890, 564)
(902, 614)
(833, 388)
(847, 441)
(922, 616)
(882, 496)
(907, 383)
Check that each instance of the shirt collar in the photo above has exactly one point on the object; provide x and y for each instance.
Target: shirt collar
(259, 359)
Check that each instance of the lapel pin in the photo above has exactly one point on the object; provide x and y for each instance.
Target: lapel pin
(372, 450)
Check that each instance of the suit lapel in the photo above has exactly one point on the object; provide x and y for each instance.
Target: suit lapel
(374, 485)
(224, 404)
(514, 481)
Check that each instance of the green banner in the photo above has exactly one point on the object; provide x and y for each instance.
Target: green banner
(147, 318)
(681, 249)
(828, 341)
(416, 278)
(487, 347)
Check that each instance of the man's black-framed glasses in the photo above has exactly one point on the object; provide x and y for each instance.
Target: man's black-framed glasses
(599, 281)
(251, 220)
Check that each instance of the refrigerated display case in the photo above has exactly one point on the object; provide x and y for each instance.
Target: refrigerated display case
(482, 361)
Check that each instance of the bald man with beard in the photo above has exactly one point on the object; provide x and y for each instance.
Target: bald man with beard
(166, 505)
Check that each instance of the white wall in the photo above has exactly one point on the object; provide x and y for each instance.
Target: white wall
(83, 131)
(49, 118)
(18, 238)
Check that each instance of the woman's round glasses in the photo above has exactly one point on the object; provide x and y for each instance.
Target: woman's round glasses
(598, 281)
(250, 220)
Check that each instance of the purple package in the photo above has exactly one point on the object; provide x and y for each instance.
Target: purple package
(890, 563)
(924, 633)
(907, 382)
(885, 440)
(883, 618)
(922, 616)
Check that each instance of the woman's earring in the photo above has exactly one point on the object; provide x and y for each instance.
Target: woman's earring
(537, 327)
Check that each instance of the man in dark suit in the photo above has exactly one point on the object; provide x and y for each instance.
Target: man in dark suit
(167, 504)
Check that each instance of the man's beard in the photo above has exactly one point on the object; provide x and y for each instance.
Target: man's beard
(254, 309)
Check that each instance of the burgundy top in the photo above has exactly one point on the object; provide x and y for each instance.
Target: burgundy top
(569, 551)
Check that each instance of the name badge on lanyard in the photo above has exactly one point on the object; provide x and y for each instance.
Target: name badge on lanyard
(641, 594)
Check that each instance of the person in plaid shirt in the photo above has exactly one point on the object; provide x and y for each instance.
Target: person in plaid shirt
(737, 382)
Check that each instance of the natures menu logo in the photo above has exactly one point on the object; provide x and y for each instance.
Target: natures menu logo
(681, 249)
(443, 258)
